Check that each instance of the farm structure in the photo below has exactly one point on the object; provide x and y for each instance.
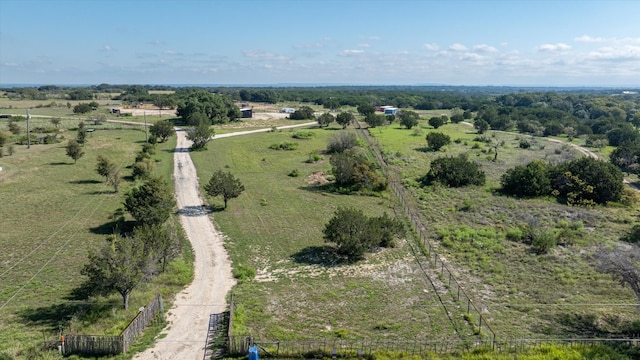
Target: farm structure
(288, 110)
(247, 113)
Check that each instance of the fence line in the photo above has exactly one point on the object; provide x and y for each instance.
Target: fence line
(113, 345)
(439, 266)
(239, 345)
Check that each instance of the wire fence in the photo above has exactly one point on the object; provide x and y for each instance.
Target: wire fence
(474, 315)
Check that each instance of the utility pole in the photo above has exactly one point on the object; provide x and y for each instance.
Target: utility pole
(146, 133)
(28, 130)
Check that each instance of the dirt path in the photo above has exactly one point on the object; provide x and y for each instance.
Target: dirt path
(188, 319)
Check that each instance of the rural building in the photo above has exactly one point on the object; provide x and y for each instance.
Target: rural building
(390, 111)
(247, 113)
(288, 110)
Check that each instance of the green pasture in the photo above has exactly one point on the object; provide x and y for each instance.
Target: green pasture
(53, 211)
(524, 294)
(300, 291)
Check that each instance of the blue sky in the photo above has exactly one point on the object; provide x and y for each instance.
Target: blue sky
(391, 42)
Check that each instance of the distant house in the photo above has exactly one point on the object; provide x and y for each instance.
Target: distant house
(115, 110)
(247, 113)
(288, 110)
(390, 110)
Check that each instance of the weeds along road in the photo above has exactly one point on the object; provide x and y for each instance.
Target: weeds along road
(188, 319)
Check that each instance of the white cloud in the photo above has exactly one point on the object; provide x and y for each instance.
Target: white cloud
(157, 42)
(365, 45)
(432, 47)
(170, 52)
(309, 46)
(628, 52)
(350, 52)
(457, 47)
(588, 39)
(485, 48)
(553, 47)
(264, 55)
(107, 48)
(471, 57)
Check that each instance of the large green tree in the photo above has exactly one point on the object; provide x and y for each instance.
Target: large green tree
(224, 184)
(531, 180)
(455, 171)
(325, 119)
(200, 135)
(345, 118)
(303, 113)
(120, 266)
(104, 166)
(162, 129)
(151, 203)
(218, 108)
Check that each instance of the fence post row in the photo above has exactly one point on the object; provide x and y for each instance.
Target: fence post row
(399, 191)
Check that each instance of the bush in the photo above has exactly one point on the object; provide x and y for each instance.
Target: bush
(284, 146)
(524, 144)
(532, 180)
(303, 135)
(244, 273)
(543, 241)
(436, 140)
(294, 173)
(587, 180)
(143, 169)
(342, 141)
(314, 157)
(634, 234)
(454, 172)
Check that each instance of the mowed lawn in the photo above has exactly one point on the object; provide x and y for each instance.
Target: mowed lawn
(300, 290)
(523, 293)
(52, 212)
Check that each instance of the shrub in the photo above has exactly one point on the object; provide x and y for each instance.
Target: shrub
(454, 172)
(314, 157)
(436, 140)
(244, 273)
(634, 234)
(543, 241)
(143, 169)
(284, 146)
(294, 173)
(532, 180)
(342, 141)
(524, 144)
(303, 135)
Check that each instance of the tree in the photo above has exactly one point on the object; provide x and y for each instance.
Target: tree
(161, 242)
(303, 113)
(345, 118)
(81, 137)
(587, 180)
(200, 134)
(354, 233)
(114, 178)
(627, 157)
(55, 121)
(104, 167)
(354, 171)
(162, 129)
(218, 109)
(348, 230)
(3, 138)
(119, 266)
(436, 140)
(366, 109)
(409, 119)
(342, 141)
(481, 126)
(374, 120)
(325, 119)
(531, 180)
(152, 203)
(454, 172)
(74, 150)
(436, 121)
(224, 184)
(622, 263)
(82, 108)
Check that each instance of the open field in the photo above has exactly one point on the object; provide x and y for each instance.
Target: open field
(276, 225)
(52, 213)
(523, 293)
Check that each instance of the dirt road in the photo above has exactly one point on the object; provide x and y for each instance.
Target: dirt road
(188, 319)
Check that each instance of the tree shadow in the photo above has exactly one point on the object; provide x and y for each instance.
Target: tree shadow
(323, 255)
(195, 211)
(85, 182)
(60, 163)
(581, 325)
(112, 227)
(423, 149)
(101, 192)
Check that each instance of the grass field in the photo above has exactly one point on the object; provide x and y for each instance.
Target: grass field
(52, 213)
(523, 293)
(300, 292)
